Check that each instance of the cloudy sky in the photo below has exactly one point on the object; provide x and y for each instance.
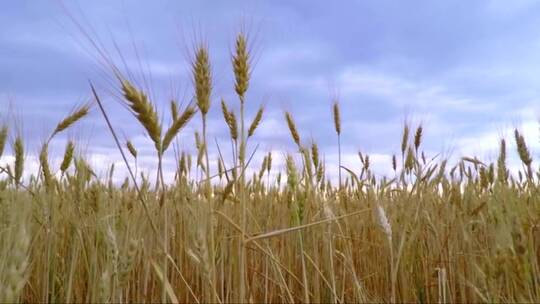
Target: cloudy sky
(467, 70)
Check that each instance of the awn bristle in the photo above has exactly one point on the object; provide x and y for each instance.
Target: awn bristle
(72, 118)
(176, 126)
(292, 128)
(337, 118)
(144, 111)
(68, 156)
(202, 79)
(241, 66)
(256, 122)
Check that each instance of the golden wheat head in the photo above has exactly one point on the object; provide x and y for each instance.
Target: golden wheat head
(241, 66)
(202, 79)
(144, 111)
(292, 128)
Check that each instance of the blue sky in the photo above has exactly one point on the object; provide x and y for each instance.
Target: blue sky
(467, 70)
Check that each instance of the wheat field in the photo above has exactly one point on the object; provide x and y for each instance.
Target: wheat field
(433, 231)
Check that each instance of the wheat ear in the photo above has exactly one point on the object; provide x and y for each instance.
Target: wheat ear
(292, 128)
(65, 123)
(256, 122)
(144, 111)
(176, 126)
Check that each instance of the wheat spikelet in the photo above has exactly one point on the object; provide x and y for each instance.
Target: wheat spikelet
(320, 172)
(144, 111)
(292, 128)
(418, 137)
(189, 163)
(131, 149)
(16, 266)
(220, 168)
(44, 162)
(264, 166)
(307, 162)
(384, 223)
(176, 126)
(241, 66)
(255, 122)
(269, 162)
(198, 142)
(230, 119)
(68, 156)
(202, 79)
(174, 110)
(523, 151)
(71, 119)
(3, 138)
(410, 160)
(315, 154)
(404, 139)
(104, 291)
(502, 172)
(483, 178)
(394, 162)
(491, 173)
(182, 167)
(366, 162)
(337, 118)
(292, 177)
(128, 260)
(18, 147)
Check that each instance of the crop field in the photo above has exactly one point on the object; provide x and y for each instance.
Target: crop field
(435, 230)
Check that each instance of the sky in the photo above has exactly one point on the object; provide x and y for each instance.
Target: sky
(466, 70)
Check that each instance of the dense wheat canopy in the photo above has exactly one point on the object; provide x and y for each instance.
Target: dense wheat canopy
(221, 195)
